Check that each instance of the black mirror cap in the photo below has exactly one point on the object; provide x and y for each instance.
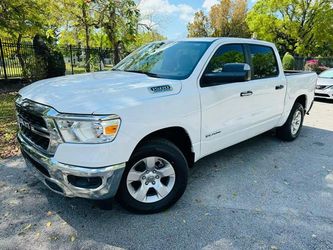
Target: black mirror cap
(232, 72)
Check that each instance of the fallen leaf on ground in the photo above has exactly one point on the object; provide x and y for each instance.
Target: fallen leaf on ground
(72, 238)
(54, 237)
(27, 227)
(49, 223)
(49, 213)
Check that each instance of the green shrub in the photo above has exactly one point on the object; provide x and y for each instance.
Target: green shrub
(34, 68)
(288, 61)
(56, 64)
(48, 58)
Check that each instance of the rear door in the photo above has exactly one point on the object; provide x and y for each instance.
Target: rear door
(268, 85)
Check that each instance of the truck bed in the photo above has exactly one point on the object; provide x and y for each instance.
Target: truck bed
(296, 72)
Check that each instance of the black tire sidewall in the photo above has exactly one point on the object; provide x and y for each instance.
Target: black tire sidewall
(296, 107)
(284, 132)
(172, 154)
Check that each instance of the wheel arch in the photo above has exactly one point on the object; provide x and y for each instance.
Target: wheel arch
(302, 99)
(178, 136)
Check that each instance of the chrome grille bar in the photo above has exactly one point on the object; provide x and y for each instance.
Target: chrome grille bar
(36, 126)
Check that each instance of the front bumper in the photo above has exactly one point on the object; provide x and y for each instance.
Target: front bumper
(325, 93)
(72, 181)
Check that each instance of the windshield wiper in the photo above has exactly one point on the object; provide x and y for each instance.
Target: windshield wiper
(143, 72)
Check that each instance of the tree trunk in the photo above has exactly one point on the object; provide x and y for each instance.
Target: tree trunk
(116, 54)
(87, 48)
(87, 34)
(19, 55)
(113, 41)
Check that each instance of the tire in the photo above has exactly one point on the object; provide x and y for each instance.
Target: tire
(164, 167)
(289, 130)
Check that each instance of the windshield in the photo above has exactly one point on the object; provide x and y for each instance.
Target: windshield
(327, 74)
(173, 60)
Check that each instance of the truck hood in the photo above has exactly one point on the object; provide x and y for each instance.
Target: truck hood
(98, 93)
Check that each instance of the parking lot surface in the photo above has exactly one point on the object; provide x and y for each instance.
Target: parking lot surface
(260, 194)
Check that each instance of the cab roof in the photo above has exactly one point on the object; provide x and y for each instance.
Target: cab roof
(227, 39)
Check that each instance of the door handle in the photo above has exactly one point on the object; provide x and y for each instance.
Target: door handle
(246, 93)
(279, 87)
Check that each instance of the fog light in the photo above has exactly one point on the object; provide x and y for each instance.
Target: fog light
(84, 182)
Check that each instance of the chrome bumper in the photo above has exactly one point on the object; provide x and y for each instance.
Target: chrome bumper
(55, 175)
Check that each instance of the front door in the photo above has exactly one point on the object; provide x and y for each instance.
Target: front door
(223, 110)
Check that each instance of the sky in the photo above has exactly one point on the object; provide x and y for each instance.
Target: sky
(170, 17)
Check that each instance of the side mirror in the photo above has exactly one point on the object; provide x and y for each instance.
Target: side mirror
(231, 72)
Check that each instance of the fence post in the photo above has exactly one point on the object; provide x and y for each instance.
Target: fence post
(70, 49)
(3, 61)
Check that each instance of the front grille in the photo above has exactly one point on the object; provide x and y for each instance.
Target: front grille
(40, 141)
(31, 117)
(33, 126)
(36, 164)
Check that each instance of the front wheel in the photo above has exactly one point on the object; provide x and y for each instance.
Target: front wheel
(155, 177)
(292, 127)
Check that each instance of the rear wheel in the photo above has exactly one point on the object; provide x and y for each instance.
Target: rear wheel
(155, 177)
(292, 127)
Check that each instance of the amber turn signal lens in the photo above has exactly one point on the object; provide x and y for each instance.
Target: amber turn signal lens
(111, 130)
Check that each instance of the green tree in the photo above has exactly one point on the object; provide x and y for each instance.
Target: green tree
(143, 38)
(22, 20)
(301, 27)
(200, 25)
(79, 19)
(119, 20)
(228, 19)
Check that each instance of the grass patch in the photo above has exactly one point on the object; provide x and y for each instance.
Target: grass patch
(8, 126)
(17, 71)
(82, 69)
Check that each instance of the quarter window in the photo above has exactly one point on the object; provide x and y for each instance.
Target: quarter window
(232, 53)
(264, 63)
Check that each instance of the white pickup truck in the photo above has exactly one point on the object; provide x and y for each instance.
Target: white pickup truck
(134, 132)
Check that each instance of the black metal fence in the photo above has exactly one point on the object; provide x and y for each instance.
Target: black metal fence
(15, 58)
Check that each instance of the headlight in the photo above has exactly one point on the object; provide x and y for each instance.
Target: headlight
(88, 129)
